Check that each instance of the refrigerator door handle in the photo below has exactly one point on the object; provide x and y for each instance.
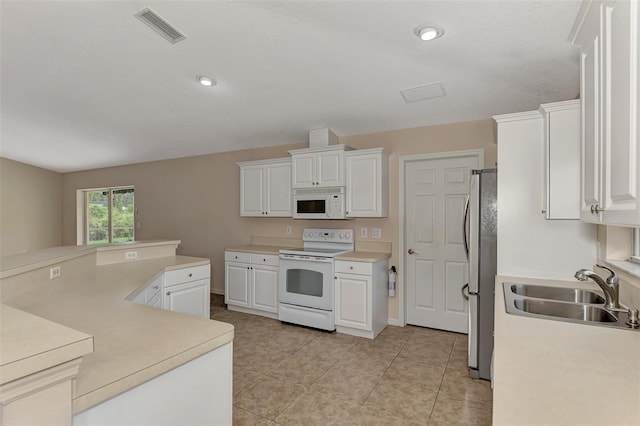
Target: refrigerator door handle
(465, 228)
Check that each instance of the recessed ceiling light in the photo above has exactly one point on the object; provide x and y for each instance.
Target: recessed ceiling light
(428, 33)
(205, 81)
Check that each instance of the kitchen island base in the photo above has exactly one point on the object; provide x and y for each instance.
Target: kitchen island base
(198, 392)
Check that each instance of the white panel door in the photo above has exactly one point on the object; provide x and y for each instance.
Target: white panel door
(189, 298)
(353, 301)
(236, 284)
(252, 191)
(590, 94)
(303, 173)
(278, 190)
(620, 127)
(436, 263)
(364, 185)
(265, 288)
(330, 168)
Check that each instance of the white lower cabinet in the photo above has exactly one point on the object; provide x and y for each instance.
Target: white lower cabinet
(184, 290)
(361, 302)
(190, 298)
(251, 283)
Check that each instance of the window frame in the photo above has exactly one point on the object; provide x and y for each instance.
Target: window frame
(82, 210)
(635, 246)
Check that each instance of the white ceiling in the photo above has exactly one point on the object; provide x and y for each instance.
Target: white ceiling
(84, 84)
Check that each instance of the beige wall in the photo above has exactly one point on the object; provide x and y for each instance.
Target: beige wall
(196, 199)
(30, 209)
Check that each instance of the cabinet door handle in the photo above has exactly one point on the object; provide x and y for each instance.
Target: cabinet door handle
(190, 275)
(595, 209)
(168, 293)
(156, 287)
(351, 267)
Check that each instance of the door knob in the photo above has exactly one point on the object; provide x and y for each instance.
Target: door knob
(412, 251)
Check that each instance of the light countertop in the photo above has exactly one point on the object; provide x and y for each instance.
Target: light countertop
(132, 343)
(31, 344)
(363, 256)
(357, 256)
(557, 373)
(257, 249)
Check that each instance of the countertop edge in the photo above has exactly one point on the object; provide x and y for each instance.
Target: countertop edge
(99, 395)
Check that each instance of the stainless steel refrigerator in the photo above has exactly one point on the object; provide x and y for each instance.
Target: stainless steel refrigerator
(480, 224)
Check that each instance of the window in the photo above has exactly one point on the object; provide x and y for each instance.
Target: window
(635, 248)
(108, 215)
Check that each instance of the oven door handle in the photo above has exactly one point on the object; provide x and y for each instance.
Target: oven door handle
(307, 259)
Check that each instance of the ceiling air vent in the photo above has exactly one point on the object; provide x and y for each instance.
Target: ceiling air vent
(422, 93)
(159, 25)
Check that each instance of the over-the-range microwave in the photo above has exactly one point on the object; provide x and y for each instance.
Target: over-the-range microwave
(319, 203)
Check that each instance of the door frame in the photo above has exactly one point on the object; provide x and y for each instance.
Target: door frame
(403, 161)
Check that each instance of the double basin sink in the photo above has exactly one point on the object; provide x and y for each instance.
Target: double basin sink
(562, 304)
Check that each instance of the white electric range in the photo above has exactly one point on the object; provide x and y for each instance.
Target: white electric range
(306, 277)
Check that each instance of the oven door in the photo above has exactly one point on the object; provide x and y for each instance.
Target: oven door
(306, 281)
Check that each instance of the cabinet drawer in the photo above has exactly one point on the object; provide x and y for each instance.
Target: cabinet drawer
(264, 259)
(360, 268)
(236, 256)
(184, 275)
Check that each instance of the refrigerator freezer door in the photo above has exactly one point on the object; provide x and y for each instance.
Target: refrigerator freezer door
(473, 332)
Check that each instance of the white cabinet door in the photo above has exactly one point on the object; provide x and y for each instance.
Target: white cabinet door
(367, 183)
(562, 159)
(236, 284)
(303, 171)
(330, 168)
(156, 301)
(590, 94)
(252, 187)
(265, 288)
(620, 112)
(278, 189)
(188, 298)
(353, 301)
(608, 39)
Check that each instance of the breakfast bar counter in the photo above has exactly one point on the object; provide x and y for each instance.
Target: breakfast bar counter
(133, 343)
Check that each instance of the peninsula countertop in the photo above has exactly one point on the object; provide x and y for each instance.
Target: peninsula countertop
(132, 343)
(558, 373)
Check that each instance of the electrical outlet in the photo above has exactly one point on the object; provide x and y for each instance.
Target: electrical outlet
(376, 233)
(131, 255)
(289, 230)
(54, 272)
(364, 233)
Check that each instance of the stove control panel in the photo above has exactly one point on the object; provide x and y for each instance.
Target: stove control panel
(328, 235)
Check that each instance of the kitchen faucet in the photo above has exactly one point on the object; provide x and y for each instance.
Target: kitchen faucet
(608, 286)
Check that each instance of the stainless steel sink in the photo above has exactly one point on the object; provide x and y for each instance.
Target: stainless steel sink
(562, 304)
(575, 295)
(573, 311)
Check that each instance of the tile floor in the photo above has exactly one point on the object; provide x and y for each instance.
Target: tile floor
(291, 375)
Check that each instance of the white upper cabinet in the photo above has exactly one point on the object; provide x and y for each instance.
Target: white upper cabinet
(562, 159)
(318, 167)
(265, 188)
(367, 183)
(607, 33)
